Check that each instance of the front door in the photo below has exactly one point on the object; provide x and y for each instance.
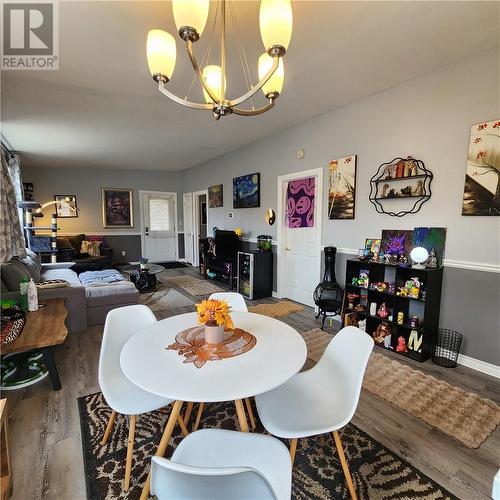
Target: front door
(300, 247)
(159, 240)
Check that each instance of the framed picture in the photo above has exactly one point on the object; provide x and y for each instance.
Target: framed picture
(216, 196)
(482, 177)
(396, 242)
(246, 191)
(117, 208)
(66, 205)
(372, 245)
(342, 188)
(431, 238)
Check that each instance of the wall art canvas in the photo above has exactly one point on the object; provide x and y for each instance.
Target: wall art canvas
(396, 242)
(246, 191)
(117, 208)
(216, 196)
(342, 188)
(300, 202)
(66, 205)
(372, 245)
(431, 238)
(482, 178)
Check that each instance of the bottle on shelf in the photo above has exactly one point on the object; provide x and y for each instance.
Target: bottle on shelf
(23, 293)
(32, 296)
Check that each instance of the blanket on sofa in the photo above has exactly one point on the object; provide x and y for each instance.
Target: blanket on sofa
(102, 278)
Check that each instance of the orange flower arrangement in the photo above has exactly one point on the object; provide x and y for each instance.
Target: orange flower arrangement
(215, 312)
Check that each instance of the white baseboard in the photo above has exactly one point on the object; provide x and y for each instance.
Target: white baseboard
(478, 365)
(275, 295)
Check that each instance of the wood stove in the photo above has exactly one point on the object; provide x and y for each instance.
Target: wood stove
(328, 295)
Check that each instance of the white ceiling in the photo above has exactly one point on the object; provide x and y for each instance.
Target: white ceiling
(102, 109)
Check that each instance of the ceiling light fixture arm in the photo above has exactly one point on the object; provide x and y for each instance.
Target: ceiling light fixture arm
(255, 112)
(180, 100)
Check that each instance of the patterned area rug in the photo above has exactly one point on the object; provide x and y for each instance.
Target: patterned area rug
(377, 472)
(164, 298)
(278, 309)
(461, 415)
(195, 286)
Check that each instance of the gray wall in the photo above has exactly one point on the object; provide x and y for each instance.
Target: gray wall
(429, 118)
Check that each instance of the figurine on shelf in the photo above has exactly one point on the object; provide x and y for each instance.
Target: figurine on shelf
(375, 257)
(382, 311)
(391, 193)
(387, 258)
(432, 261)
(414, 321)
(362, 325)
(385, 187)
(413, 169)
(360, 308)
(403, 260)
(406, 191)
(363, 279)
(419, 189)
(401, 347)
(389, 172)
(383, 330)
(414, 287)
(351, 297)
(391, 288)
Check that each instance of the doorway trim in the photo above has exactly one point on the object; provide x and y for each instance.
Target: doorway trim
(280, 221)
(141, 217)
(196, 222)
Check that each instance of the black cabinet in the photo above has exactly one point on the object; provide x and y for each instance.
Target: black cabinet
(412, 318)
(255, 274)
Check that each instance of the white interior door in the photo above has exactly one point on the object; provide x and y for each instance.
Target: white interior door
(188, 227)
(299, 249)
(158, 220)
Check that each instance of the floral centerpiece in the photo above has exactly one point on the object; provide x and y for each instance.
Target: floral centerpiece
(215, 315)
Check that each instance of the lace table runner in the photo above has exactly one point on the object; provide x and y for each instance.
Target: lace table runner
(191, 344)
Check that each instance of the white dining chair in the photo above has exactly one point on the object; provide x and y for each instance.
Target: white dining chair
(222, 464)
(235, 300)
(237, 303)
(120, 394)
(322, 399)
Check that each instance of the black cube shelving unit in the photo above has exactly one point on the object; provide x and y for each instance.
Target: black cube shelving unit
(426, 307)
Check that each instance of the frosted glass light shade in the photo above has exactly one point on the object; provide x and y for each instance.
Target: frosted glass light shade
(276, 21)
(211, 75)
(419, 255)
(161, 53)
(192, 13)
(275, 83)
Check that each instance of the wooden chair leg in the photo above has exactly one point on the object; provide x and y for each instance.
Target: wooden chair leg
(109, 428)
(182, 425)
(162, 447)
(189, 410)
(130, 451)
(242, 418)
(248, 404)
(198, 416)
(293, 449)
(345, 467)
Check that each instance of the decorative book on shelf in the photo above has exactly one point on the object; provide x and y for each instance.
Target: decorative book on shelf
(398, 306)
(400, 179)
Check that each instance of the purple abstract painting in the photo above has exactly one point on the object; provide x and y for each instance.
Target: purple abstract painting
(300, 202)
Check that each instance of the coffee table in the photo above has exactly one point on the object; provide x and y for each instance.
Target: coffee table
(279, 353)
(143, 279)
(43, 329)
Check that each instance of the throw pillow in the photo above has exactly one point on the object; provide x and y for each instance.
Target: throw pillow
(91, 247)
(76, 241)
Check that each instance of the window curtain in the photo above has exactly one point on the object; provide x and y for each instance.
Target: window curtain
(11, 236)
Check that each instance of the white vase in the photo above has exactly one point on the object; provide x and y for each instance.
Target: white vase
(214, 334)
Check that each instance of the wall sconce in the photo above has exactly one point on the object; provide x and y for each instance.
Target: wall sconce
(270, 216)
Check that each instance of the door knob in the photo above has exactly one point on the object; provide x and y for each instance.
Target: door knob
(287, 249)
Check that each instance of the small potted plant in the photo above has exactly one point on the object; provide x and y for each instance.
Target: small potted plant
(214, 314)
(143, 263)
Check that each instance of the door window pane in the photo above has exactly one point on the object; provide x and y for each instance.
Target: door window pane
(159, 214)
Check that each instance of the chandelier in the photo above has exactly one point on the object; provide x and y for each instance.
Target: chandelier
(190, 17)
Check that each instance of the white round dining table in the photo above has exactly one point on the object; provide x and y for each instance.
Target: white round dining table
(279, 353)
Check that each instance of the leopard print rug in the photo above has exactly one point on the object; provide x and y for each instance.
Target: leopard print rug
(377, 472)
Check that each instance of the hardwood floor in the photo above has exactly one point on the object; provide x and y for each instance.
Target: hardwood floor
(45, 428)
